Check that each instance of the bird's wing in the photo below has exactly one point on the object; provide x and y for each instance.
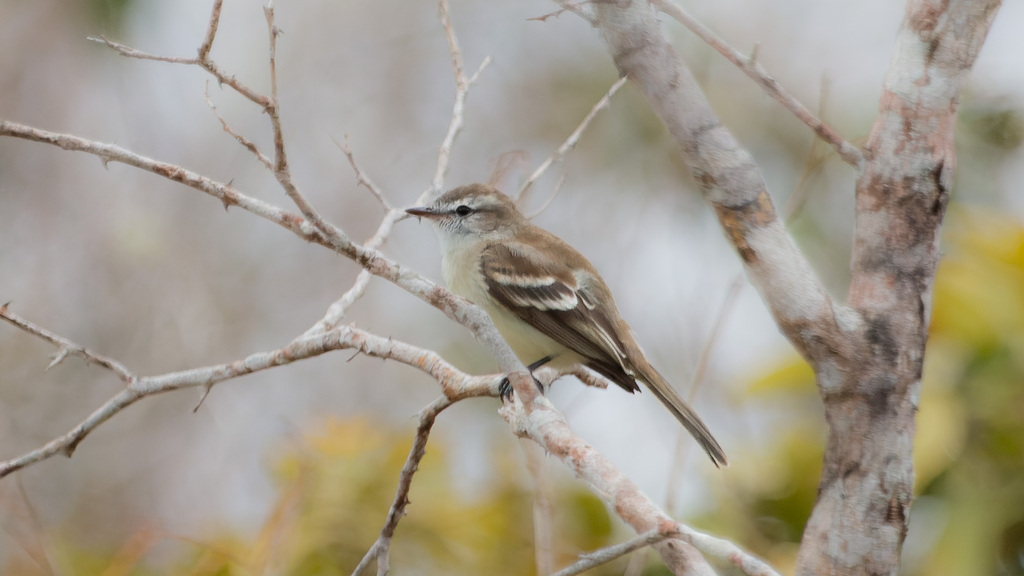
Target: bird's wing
(548, 296)
(572, 306)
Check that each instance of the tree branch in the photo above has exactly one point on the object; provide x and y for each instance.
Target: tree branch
(382, 546)
(455, 384)
(753, 69)
(606, 555)
(532, 416)
(730, 181)
(66, 347)
(559, 154)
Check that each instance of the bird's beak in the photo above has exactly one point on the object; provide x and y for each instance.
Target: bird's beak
(422, 211)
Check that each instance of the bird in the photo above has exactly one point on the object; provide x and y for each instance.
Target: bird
(545, 298)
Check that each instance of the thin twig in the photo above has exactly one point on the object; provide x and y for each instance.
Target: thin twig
(462, 84)
(726, 551)
(749, 66)
(551, 198)
(361, 177)
(568, 6)
(815, 159)
(66, 347)
(699, 377)
(606, 555)
(248, 144)
(282, 170)
(337, 310)
(543, 508)
(380, 549)
(523, 195)
(270, 105)
(369, 258)
(211, 30)
(129, 52)
(204, 62)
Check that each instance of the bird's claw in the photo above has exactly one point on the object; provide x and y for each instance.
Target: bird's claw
(505, 390)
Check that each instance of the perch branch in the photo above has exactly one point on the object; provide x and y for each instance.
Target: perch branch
(532, 416)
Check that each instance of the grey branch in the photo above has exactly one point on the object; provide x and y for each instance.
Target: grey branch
(382, 546)
(532, 416)
(606, 555)
(570, 143)
(729, 179)
(66, 347)
(455, 384)
(752, 68)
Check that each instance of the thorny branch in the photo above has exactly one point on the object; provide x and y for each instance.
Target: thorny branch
(66, 347)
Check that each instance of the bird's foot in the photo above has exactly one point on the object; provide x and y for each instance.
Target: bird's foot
(505, 389)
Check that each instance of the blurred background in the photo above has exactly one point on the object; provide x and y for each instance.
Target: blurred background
(291, 471)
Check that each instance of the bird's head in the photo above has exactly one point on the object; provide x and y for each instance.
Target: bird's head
(472, 211)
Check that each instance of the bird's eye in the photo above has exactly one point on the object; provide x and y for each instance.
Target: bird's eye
(463, 210)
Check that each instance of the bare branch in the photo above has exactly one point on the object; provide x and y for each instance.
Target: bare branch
(730, 181)
(551, 198)
(453, 45)
(872, 396)
(66, 347)
(568, 6)
(532, 416)
(282, 171)
(682, 440)
(523, 196)
(248, 144)
(223, 192)
(749, 66)
(211, 31)
(337, 310)
(606, 555)
(543, 508)
(462, 84)
(815, 159)
(129, 52)
(456, 308)
(381, 548)
(361, 177)
(455, 384)
(203, 62)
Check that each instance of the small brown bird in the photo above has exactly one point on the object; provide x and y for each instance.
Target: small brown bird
(545, 298)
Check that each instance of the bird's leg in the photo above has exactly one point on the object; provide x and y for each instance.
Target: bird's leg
(505, 388)
(539, 363)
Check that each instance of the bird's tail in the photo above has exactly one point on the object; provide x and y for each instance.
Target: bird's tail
(682, 411)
